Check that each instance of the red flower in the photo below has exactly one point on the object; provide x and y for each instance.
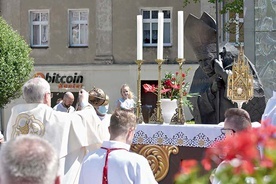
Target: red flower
(164, 91)
(187, 166)
(247, 167)
(170, 87)
(242, 156)
(168, 83)
(206, 164)
(149, 88)
(185, 93)
(267, 163)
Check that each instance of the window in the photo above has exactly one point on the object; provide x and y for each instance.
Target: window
(78, 28)
(234, 28)
(39, 21)
(150, 26)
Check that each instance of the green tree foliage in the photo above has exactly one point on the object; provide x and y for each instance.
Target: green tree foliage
(228, 6)
(234, 6)
(15, 63)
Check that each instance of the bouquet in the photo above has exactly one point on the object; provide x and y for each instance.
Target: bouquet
(170, 87)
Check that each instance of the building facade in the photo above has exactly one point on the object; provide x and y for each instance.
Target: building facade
(82, 44)
(94, 32)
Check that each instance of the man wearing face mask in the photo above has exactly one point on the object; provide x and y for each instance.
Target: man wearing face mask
(102, 112)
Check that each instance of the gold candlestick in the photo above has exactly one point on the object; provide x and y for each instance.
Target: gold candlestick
(240, 82)
(179, 116)
(157, 116)
(138, 106)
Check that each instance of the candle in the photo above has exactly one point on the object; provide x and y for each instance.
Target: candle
(160, 35)
(180, 35)
(139, 38)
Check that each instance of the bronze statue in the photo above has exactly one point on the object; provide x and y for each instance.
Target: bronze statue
(210, 78)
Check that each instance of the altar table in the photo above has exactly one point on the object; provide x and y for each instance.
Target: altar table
(165, 146)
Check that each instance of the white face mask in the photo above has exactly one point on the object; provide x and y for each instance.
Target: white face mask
(102, 110)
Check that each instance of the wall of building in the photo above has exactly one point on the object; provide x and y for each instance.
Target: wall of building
(112, 30)
(112, 40)
(124, 30)
(107, 77)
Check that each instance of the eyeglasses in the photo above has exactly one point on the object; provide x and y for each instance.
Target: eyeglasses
(224, 130)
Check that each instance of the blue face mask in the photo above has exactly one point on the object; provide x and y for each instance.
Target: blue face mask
(102, 110)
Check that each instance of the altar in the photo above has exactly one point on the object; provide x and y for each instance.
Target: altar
(165, 146)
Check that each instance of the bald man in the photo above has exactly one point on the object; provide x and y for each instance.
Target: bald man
(66, 104)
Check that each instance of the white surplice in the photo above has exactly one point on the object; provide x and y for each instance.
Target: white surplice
(105, 120)
(71, 134)
(269, 115)
(123, 166)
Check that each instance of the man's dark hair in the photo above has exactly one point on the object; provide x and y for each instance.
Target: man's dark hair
(239, 118)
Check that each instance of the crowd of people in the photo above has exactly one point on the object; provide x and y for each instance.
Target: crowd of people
(68, 145)
(71, 133)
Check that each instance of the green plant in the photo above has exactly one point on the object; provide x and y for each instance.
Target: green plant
(234, 6)
(227, 6)
(242, 160)
(170, 87)
(15, 63)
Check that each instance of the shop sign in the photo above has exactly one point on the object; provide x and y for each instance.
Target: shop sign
(71, 80)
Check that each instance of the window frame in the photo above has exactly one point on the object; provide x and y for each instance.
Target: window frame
(150, 20)
(79, 22)
(40, 23)
(232, 20)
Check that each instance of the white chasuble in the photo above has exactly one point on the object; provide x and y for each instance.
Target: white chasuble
(71, 134)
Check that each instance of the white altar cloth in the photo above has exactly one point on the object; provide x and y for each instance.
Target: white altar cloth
(190, 135)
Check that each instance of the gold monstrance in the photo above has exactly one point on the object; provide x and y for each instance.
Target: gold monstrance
(240, 82)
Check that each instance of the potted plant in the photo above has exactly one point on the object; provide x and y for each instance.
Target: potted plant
(170, 92)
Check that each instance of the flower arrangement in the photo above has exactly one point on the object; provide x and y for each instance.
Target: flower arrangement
(249, 157)
(170, 87)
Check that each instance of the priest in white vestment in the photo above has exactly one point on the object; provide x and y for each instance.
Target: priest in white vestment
(71, 134)
(269, 115)
(100, 101)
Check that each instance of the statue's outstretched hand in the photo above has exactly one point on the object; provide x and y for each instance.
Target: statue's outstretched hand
(220, 71)
(218, 66)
